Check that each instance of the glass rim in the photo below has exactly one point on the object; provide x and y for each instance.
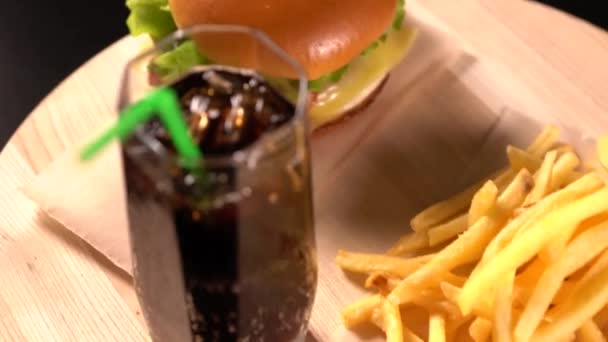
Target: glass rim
(241, 155)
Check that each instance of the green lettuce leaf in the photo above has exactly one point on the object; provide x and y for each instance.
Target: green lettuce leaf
(178, 60)
(152, 17)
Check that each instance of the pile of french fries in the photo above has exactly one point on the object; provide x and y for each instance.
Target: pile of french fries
(522, 256)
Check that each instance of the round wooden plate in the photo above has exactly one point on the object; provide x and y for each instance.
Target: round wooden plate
(519, 54)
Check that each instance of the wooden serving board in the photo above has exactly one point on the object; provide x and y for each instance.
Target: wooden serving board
(482, 74)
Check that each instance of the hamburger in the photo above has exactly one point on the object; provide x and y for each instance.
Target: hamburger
(347, 48)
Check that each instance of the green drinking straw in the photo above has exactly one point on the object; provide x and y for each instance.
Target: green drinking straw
(164, 103)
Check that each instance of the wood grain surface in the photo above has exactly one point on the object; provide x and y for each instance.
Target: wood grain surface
(490, 55)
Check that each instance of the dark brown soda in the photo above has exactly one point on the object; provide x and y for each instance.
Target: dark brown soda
(247, 253)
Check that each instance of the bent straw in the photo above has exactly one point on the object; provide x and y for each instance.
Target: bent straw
(164, 103)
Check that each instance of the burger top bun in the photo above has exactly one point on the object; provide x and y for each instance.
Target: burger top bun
(323, 35)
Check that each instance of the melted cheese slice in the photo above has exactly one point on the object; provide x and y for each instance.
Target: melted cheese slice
(362, 78)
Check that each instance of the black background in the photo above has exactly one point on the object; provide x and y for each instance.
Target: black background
(42, 41)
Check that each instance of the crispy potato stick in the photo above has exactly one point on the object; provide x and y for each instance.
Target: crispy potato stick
(503, 312)
(458, 204)
(600, 264)
(514, 195)
(447, 231)
(436, 328)
(520, 159)
(410, 243)
(480, 330)
(528, 244)
(542, 179)
(563, 171)
(556, 246)
(361, 311)
(444, 210)
(545, 141)
(482, 204)
(377, 318)
(582, 187)
(370, 263)
(381, 281)
(602, 150)
(579, 252)
(483, 308)
(392, 322)
(467, 248)
(590, 332)
(580, 308)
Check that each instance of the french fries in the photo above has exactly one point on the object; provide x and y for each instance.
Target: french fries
(521, 256)
(360, 311)
(482, 204)
(502, 313)
(370, 263)
(579, 252)
(542, 180)
(579, 308)
(521, 250)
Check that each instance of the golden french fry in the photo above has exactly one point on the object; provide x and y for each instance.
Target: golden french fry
(370, 263)
(392, 322)
(590, 332)
(437, 328)
(382, 282)
(361, 311)
(600, 264)
(447, 231)
(468, 247)
(545, 141)
(514, 195)
(377, 318)
(528, 244)
(410, 243)
(602, 150)
(582, 187)
(580, 251)
(542, 179)
(577, 310)
(556, 246)
(444, 210)
(458, 204)
(480, 330)
(482, 204)
(520, 159)
(576, 190)
(503, 310)
(564, 171)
